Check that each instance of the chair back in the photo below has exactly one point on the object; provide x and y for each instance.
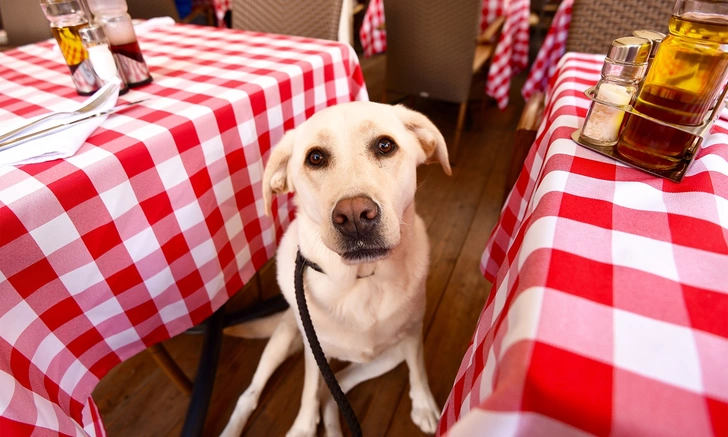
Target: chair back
(596, 23)
(24, 22)
(307, 18)
(147, 9)
(431, 47)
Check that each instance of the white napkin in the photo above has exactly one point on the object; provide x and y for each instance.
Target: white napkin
(60, 144)
(142, 27)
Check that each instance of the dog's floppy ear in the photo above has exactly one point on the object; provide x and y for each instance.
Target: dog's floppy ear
(430, 138)
(275, 177)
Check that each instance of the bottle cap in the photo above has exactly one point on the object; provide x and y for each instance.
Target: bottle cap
(654, 36)
(92, 33)
(630, 50)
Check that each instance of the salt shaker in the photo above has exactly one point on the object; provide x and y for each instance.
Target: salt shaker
(624, 68)
(102, 60)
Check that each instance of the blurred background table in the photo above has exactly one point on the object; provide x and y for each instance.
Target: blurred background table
(156, 221)
(609, 302)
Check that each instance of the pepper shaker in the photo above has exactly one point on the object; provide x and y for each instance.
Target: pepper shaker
(624, 67)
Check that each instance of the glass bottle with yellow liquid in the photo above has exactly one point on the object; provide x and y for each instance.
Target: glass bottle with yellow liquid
(683, 84)
(66, 18)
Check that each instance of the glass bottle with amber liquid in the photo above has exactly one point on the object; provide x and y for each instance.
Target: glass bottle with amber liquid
(682, 85)
(66, 18)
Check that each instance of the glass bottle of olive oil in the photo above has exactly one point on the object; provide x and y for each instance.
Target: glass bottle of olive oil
(66, 17)
(687, 76)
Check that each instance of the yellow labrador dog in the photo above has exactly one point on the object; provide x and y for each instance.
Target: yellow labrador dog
(352, 168)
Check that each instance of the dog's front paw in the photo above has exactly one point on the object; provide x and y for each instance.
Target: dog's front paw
(331, 420)
(425, 414)
(243, 409)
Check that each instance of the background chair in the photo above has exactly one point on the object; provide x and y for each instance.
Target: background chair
(24, 22)
(167, 8)
(310, 18)
(434, 48)
(596, 23)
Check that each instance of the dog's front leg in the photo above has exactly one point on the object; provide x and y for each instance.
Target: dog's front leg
(425, 412)
(308, 415)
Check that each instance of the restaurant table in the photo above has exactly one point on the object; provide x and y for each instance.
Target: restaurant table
(511, 53)
(552, 49)
(608, 312)
(156, 221)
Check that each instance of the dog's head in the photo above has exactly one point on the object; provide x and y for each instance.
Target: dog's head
(353, 169)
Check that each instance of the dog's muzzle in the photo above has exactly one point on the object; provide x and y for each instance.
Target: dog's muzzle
(357, 219)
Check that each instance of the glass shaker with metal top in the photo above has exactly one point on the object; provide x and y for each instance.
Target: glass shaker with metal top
(103, 61)
(623, 68)
(66, 18)
(655, 38)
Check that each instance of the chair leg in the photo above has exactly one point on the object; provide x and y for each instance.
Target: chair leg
(458, 131)
(384, 97)
(165, 361)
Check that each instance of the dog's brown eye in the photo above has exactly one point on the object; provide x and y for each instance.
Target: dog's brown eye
(315, 158)
(385, 145)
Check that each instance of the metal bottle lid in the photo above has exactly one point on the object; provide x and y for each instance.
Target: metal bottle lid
(630, 50)
(654, 36)
(92, 33)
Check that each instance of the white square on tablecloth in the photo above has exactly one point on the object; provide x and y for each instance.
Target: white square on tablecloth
(540, 235)
(15, 321)
(173, 311)
(159, 282)
(46, 351)
(189, 215)
(47, 417)
(203, 253)
(275, 115)
(55, 234)
(75, 372)
(223, 190)
(639, 196)
(82, 278)
(119, 199)
(20, 189)
(8, 383)
(122, 339)
(172, 172)
(522, 318)
(89, 156)
(142, 244)
(104, 311)
(233, 226)
(644, 254)
(657, 350)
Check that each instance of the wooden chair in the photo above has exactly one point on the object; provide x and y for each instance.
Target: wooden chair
(433, 50)
(310, 18)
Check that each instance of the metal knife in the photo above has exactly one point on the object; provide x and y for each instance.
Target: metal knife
(41, 133)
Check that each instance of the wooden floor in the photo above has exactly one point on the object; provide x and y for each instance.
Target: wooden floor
(136, 399)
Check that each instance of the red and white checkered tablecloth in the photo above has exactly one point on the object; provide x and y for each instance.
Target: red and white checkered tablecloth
(553, 48)
(511, 54)
(609, 309)
(157, 219)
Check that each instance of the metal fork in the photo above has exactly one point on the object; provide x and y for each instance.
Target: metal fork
(90, 106)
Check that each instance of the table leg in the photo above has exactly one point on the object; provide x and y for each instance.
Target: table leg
(170, 368)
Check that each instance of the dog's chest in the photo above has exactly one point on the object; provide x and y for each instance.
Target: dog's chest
(365, 320)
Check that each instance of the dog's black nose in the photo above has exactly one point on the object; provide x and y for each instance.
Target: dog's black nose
(355, 216)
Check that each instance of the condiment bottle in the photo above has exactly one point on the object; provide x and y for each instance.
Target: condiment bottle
(655, 38)
(623, 68)
(683, 83)
(66, 18)
(113, 17)
(103, 61)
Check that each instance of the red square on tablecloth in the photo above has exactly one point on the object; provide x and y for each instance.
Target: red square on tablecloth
(569, 388)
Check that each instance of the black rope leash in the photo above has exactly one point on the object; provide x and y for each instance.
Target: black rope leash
(351, 421)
